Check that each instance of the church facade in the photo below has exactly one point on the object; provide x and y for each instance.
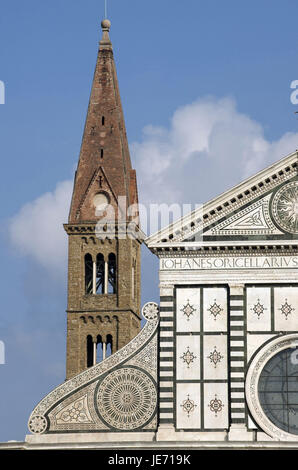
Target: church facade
(217, 360)
(228, 327)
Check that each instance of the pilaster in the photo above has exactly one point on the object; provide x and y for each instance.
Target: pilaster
(166, 363)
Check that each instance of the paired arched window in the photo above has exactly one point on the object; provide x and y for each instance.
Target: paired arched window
(112, 274)
(89, 351)
(100, 275)
(99, 349)
(88, 274)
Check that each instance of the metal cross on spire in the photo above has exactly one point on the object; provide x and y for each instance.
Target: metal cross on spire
(106, 9)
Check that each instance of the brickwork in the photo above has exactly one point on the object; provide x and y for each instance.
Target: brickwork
(104, 169)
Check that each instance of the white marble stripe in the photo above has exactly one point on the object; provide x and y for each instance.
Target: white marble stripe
(236, 385)
(237, 344)
(238, 312)
(166, 334)
(239, 404)
(166, 415)
(237, 374)
(166, 304)
(235, 302)
(166, 384)
(168, 324)
(236, 333)
(238, 415)
(166, 373)
(236, 323)
(166, 395)
(166, 405)
(164, 363)
(237, 364)
(236, 353)
(167, 354)
(167, 344)
(166, 314)
(238, 395)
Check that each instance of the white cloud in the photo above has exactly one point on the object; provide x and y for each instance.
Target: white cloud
(37, 230)
(208, 147)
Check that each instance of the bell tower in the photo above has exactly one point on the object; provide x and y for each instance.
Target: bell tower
(103, 312)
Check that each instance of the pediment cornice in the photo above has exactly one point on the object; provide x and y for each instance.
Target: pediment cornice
(227, 204)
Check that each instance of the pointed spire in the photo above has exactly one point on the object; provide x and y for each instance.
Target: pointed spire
(104, 166)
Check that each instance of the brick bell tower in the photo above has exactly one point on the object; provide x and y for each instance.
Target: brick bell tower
(103, 312)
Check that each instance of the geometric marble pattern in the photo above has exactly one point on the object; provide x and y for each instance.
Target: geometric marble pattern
(188, 357)
(201, 359)
(216, 410)
(284, 207)
(126, 398)
(286, 308)
(253, 220)
(76, 412)
(215, 357)
(188, 408)
(188, 309)
(258, 308)
(118, 393)
(215, 309)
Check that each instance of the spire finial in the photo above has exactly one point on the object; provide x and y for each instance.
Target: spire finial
(105, 41)
(106, 25)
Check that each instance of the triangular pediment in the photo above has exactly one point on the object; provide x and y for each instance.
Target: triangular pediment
(254, 220)
(262, 208)
(99, 185)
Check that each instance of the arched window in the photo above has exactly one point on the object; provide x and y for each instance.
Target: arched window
(112, 274)
(88, 274)
(98, 349)
(89, 351)
(109, 345)
(100, 273)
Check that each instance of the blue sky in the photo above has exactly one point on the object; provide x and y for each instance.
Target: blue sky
(206, 93)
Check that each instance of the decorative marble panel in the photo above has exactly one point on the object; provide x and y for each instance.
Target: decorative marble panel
(188, 309)
(215, 309)
(215, 357)
(258, 309)
(286, 308)
(188, 406)
(188, 357)
(216, 406)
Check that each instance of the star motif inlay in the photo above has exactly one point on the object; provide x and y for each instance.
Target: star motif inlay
(216, 405)
(215, 357)
(188, 357)
(188, 406)
(286, 309)
(188, 310)
(215, 310)
(258, 309)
